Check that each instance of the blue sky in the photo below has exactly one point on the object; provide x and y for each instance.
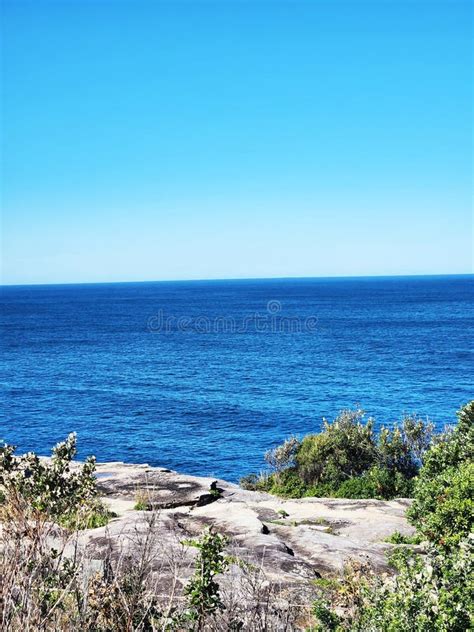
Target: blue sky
(185, 139)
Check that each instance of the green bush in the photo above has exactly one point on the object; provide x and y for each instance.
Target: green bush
(52, 487)
(430, 592)
(345, 448)
(357, 487)
(287, 484)
(377, 482)
(402, 448)
(322, 490)
(443, 507)
(257, 482)
(348, 460)
(284, 455)
(453, 447)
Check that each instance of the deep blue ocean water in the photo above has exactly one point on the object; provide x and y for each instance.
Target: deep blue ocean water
(204, 376)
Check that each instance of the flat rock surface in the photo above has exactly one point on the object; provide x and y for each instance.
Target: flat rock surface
(293, 541)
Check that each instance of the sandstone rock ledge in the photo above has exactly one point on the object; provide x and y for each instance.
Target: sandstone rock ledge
(292, 541)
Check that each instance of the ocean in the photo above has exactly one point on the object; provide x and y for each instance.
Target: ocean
(205, 376)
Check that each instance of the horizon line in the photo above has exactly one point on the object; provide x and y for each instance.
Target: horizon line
(221, 279)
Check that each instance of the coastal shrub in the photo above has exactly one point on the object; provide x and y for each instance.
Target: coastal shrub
(348, 448)
(284, 455)
(343, 449)
(257, 482)
(378, 482)
(321, 490)
(347, 459)
(429, 592)
(453, 447)
(402, 448)
(432, 590)
(249, 482)
(287, 485)
(443, 509)
(443, 506)
(52, 487)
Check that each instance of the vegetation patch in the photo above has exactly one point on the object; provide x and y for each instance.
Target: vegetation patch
(51, 487)
(400, 538)
(142, 501)
(347, 459)
(432, 590)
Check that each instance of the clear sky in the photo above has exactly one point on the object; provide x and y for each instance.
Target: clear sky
(187, 139)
